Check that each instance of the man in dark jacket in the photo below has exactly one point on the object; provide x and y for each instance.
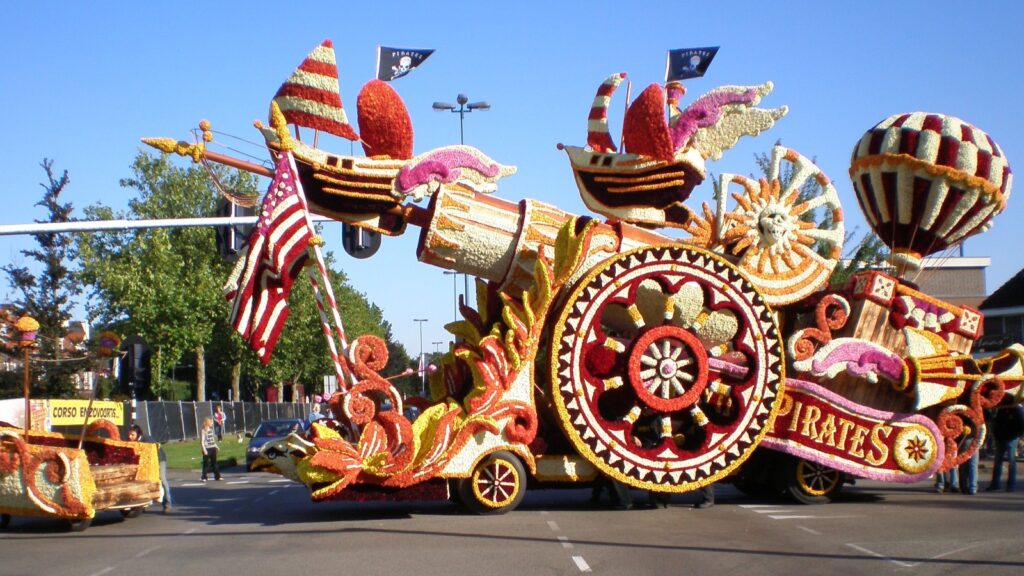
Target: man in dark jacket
(1006, 430)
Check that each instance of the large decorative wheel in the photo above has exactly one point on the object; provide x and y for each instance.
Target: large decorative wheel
(497, 485)
(666, 367)
(810, 482)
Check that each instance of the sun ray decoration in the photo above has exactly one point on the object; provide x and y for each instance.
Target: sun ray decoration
(772, 230)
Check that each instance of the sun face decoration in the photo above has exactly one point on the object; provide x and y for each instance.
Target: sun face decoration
(772, 231)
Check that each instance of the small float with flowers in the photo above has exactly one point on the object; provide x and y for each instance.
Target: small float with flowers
(602, 346)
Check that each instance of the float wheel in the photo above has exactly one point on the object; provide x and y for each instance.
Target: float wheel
(496, 485)
(812, 483)
(666, 365)
(133, 512)
(79, 525)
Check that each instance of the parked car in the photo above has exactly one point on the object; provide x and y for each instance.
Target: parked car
(268, 431)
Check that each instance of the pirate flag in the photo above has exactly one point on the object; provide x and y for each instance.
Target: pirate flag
(394, 63)
(686, 63)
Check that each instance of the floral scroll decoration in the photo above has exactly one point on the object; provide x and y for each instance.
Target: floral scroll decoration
(471, 390)
(23, 466)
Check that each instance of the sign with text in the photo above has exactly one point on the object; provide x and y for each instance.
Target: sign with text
(72, 412)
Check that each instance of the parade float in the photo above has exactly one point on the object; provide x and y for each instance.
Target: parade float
(72, 477)
(604, 346)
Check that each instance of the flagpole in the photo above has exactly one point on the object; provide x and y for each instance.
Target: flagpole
(376, 71)
(341, 360)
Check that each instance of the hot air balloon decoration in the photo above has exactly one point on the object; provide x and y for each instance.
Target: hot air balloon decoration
(928, 181)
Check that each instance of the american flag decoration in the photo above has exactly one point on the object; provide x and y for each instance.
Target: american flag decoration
(311, 96)
(261, 282)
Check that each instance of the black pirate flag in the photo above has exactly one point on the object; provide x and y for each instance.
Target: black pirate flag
(394, 63)
(688, 62)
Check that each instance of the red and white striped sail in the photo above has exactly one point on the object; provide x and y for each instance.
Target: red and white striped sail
(311, 97)
(598, 137)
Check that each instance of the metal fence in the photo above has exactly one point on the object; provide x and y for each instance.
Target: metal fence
(164, 421)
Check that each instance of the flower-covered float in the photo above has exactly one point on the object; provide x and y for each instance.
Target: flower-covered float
(70, 477)
(605, 347)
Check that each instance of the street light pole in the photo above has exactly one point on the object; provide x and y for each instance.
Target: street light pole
(455, 293)
(420, 366)
(465, 107)
(436, 344)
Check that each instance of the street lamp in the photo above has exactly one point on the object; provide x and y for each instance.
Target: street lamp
(465, 107)
(436, 344)
(455, 293)
(422, 367)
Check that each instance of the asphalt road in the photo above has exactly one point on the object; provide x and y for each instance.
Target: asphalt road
(254, 524)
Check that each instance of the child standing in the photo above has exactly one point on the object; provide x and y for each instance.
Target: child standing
(209, 442)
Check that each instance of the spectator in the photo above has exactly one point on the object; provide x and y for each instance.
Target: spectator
(1006, 429)
(218, 421)
(208, 439)
(947, 481)
(135, 435)
(314, 413)
(969, 469)
(707, 497)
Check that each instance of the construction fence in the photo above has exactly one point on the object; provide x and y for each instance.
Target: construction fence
(166, 421)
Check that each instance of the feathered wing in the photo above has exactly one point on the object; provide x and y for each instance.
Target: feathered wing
(739, 116)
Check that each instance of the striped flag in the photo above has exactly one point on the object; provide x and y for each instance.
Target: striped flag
(261, 282)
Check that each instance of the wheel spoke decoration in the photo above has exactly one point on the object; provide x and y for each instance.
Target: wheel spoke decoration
(666, 367)
(816, 479)
(497, 483)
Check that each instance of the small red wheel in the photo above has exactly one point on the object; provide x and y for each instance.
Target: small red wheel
(668, 368)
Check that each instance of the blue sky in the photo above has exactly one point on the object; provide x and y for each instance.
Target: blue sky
(84, 81)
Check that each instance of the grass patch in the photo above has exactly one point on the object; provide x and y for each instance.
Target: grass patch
(188, 455)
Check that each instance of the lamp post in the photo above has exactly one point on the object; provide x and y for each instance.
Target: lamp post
(27, 328)
(455, 293)
(436, 344)
(465, 107)
(420, 366)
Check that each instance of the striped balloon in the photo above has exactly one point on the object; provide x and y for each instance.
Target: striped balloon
(926, 182)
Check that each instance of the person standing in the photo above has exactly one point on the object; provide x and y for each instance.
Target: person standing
(1006, 430)
(707, 497)
(218, 421)
(969, 469)
(208, 439)
(135, 435)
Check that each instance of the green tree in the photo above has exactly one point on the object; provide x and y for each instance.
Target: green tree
(163, 284)
(48, 296)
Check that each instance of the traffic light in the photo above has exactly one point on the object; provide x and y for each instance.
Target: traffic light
(135, 366)
(232, 239)
(358, 242)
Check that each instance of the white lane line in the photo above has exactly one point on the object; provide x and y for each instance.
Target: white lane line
(809, 530)
(553, 525)
(101, 572)
(565, 542)
(239, 482)
(543, 512)
(581, 563)
(279, 481)
(759, 506)
(189, 531)
(194, 484)
(949, 552)
(272, 492)
(146, 551)
(790, 517)
(882, 556)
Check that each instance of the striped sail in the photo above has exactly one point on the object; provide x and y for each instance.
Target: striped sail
(311, 96)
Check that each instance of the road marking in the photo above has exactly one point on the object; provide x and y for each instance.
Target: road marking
(194, 484)
(791, 517)
(146, 551)
(278, 481)
(581, 563)
(565, 542)
(882, 556)
(239, 482)
(543, 512)
(553, 525)
(272, 492)
(189, 531)
(809, 530)
(947, 553)
(104, 571)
